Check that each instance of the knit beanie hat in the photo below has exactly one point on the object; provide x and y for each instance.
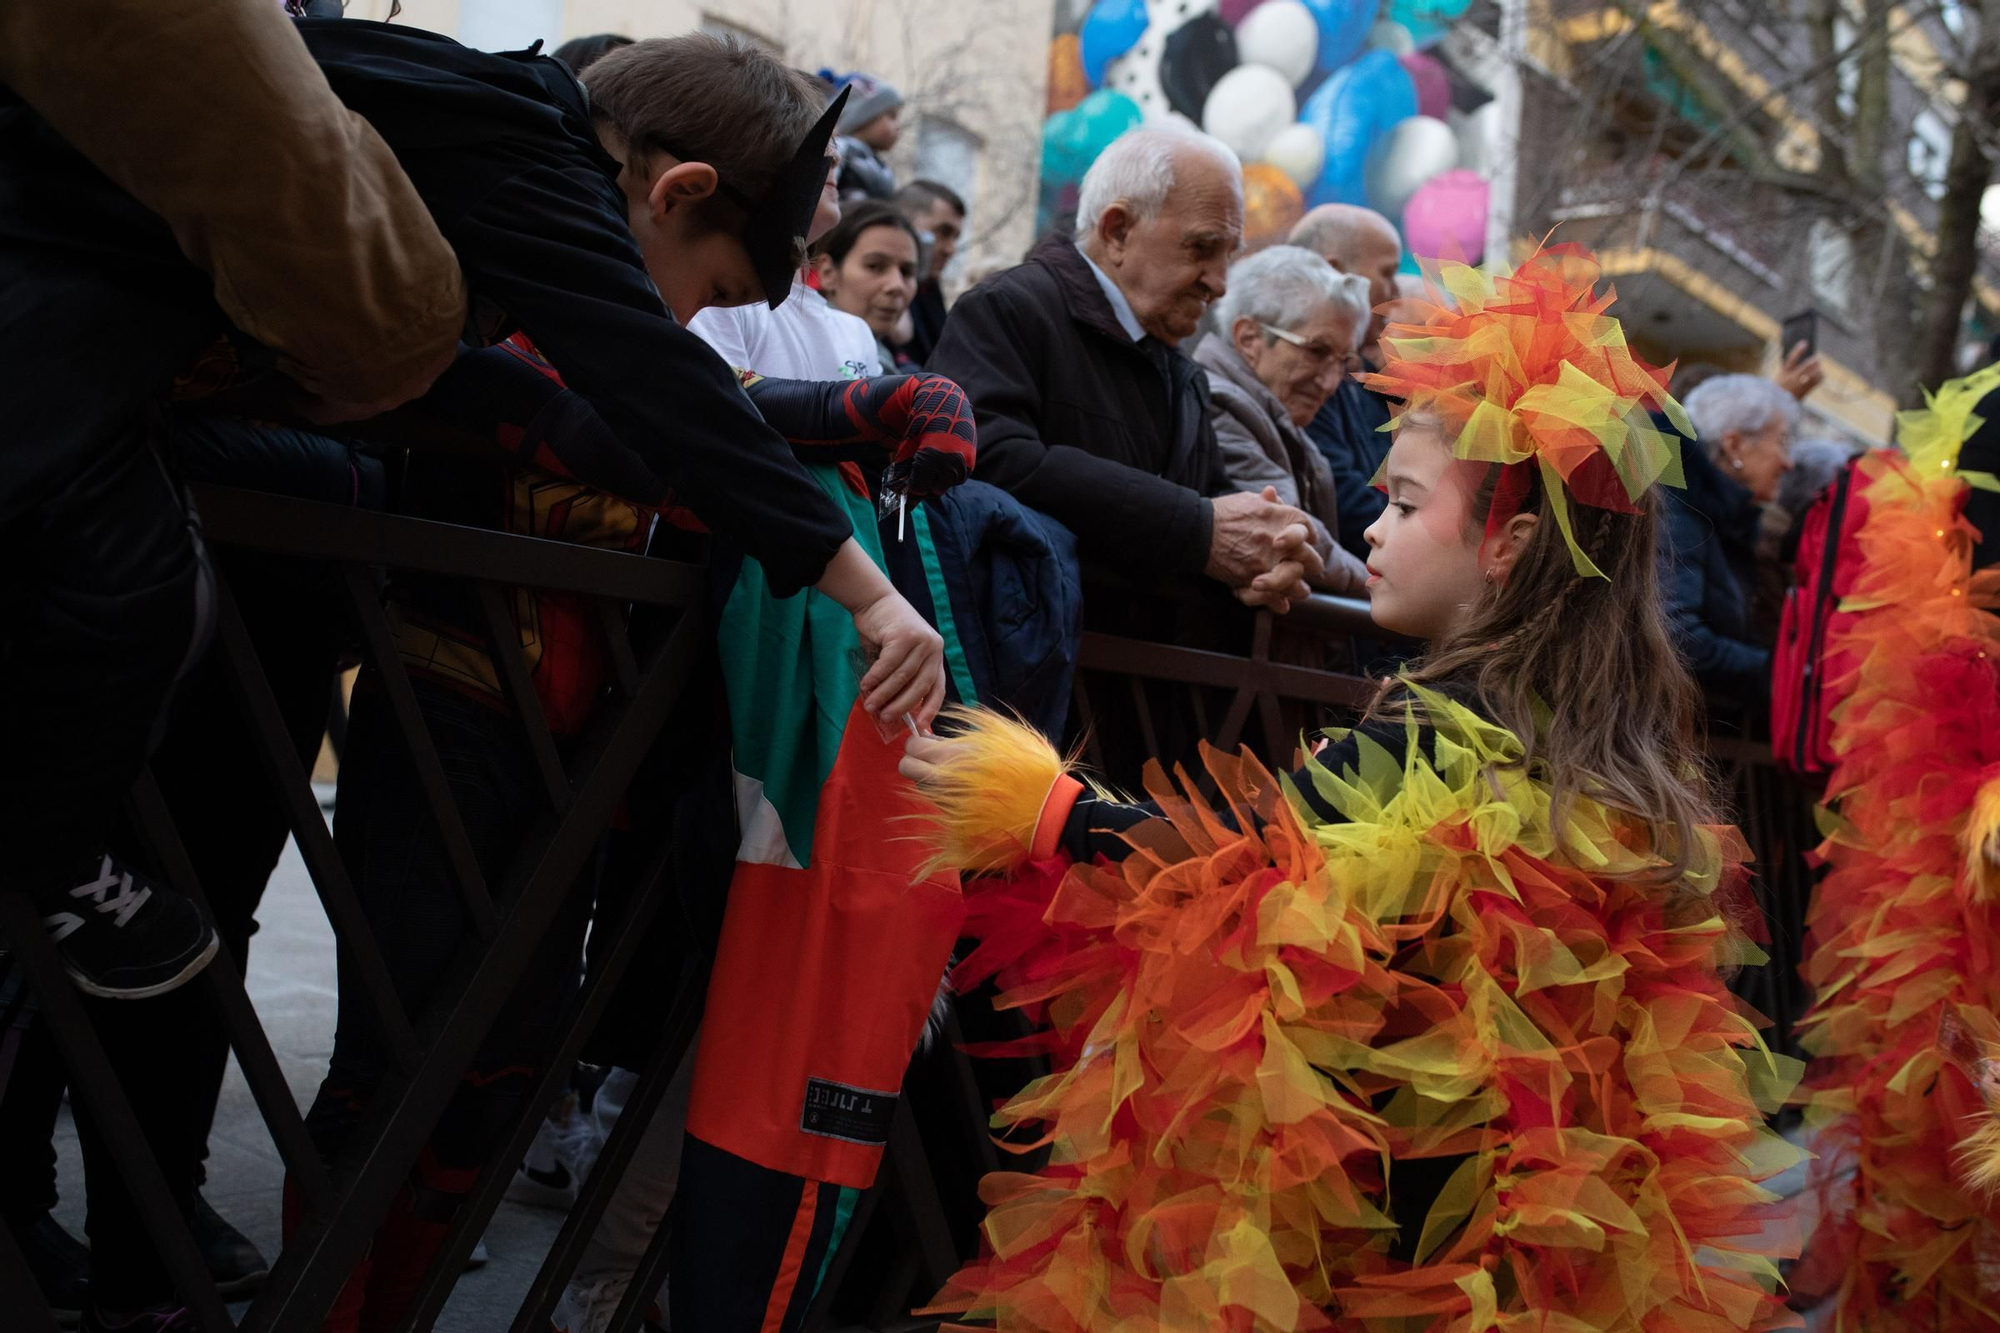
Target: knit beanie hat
(870, 98)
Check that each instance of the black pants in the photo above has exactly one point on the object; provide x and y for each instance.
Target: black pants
(397, 862)
(170, 1051)
(102, 599)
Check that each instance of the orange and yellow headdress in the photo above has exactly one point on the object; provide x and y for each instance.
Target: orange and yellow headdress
(1527, 366)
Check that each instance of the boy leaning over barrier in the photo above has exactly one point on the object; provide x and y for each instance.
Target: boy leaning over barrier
(712, 153)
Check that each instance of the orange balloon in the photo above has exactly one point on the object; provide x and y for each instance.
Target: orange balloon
(1068, 84)
(1272, 204)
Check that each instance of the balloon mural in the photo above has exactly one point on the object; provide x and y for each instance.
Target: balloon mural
(1325, 101)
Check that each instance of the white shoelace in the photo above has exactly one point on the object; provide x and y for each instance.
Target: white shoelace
(122, 904)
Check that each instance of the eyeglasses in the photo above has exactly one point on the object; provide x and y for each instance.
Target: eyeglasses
(1316, 351)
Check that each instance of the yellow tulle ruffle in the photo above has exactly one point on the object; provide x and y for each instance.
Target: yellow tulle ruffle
(1528, 363)
(1276, 1042)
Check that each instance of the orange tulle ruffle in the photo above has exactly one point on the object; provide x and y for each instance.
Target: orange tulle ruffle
(1904, 927)
(1529, 364)
(1423, 1071)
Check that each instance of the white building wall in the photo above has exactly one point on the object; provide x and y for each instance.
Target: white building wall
(976, 69)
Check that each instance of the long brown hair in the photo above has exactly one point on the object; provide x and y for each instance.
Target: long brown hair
(1582, 671)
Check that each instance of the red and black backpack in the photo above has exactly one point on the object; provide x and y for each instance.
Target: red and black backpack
(1806, 682)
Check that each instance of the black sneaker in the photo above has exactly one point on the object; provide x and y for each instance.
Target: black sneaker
(60, 1263)
(234, 1264)
(123, 936)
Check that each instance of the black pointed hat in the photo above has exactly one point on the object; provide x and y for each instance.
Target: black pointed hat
(774, 234)
(775, 226)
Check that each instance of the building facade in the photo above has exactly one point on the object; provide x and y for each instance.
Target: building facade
(1732, 175)
(972, 75)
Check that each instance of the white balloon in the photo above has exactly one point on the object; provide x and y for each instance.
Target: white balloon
(1298, 151)
(1137, 75)
(1478, 138)
(1281, 34)
(1389, 35)
(1247, 107)
(1407, 156)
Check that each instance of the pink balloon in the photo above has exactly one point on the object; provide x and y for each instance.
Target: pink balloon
(1232, 11)
(1446, 217)
(1433, 84)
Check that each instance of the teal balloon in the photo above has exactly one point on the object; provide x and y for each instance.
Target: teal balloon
(1110, 29)
(1427, 20)
(1356, 106)
(1343, 29)
(1072, 139)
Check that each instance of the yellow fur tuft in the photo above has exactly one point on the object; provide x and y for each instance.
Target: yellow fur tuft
(989, 793)
(1980, 1156)
(1981, 839)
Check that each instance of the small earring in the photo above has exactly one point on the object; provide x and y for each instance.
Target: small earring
(1736, 463)
(1489, 574)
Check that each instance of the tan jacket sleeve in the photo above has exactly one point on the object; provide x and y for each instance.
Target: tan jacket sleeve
(214, 116)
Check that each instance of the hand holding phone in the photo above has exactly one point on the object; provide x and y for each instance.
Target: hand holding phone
(1798, 343)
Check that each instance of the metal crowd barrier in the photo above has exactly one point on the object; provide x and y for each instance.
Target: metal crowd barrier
(1212, 695)
(343, 1206)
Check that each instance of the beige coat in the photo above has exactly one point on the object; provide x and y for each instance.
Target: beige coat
(213, 115)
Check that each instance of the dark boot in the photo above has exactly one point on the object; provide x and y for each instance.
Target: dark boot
(233, 1262)
(60, 1263)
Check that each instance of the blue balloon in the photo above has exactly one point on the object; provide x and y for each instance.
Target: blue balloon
(1343, 29)
(1110, 29)
(1072, 139)
(1427, 20)
(1351, 110)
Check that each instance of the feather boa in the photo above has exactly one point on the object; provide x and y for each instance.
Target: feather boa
(1262, 1024)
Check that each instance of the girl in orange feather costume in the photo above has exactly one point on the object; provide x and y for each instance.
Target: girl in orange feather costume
(1428, 1036)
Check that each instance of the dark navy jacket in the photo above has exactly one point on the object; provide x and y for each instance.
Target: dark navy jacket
(1016, 600)
(1708, 539)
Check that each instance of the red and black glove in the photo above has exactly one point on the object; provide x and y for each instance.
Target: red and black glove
(939, 441)
(921, 424)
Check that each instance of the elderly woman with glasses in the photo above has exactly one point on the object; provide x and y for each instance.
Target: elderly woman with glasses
(1286, 335)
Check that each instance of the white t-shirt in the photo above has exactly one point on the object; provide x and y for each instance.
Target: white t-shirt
(803, 339)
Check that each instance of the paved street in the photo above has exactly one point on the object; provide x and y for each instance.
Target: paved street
(291, 981)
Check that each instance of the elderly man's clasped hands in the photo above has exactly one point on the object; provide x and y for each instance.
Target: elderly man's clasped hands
(1262, 549)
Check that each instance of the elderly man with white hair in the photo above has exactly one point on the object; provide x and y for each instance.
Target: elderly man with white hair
(1744, 424)
(1088, 411)
(1284, 333)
